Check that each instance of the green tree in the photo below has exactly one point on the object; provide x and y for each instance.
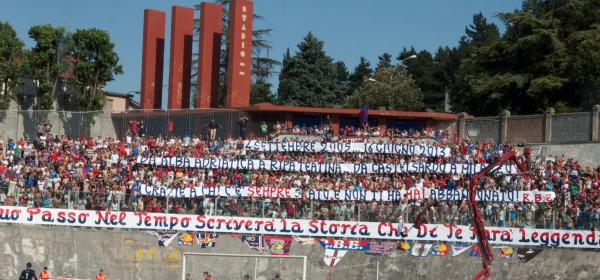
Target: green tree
(46, 62)
(479, 35)
(11, 66)
(539, 62)
(309, 78)
(385, 60)
(428, 75)
(361, 71)
(94, 63)
(391, 87)
(342, 72)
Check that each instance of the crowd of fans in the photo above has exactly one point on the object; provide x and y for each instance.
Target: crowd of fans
(55, 171)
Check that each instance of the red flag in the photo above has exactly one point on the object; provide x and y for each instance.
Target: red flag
(279, 245)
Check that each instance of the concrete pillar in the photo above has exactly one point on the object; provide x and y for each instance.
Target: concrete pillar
(595, 122)
(504, 126)
(180, 64)
(153, 57)
(240, 53)
(288, 119)
(335, 124)
(548, 125)
(462, 126)
(209, 55)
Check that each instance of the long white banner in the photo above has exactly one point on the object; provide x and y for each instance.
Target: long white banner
(340, 147)
(347, 195)
(307, 228)
(293, 166)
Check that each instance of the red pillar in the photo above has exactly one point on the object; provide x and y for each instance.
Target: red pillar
(209, 55)
(240, 50)
(153, 52)
(180, 65)
(335, 124)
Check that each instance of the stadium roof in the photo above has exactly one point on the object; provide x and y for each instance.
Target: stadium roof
(268, 107)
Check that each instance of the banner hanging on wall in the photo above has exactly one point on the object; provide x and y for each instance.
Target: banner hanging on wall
(340, 147)
(348, 195)
(315, 167)
(188, 224)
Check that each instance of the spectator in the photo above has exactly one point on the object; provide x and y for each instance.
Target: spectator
(40, 129)
(47, 127)
(243, 123)
(263, 130)
(213, 126)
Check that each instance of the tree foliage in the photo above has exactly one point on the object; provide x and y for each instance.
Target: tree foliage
(46, 61)
(309, 78)
(11, 63)
(548, 57)
(385, 60)
(362, 70)
(390, 87)
(428, 76)
(94, 63)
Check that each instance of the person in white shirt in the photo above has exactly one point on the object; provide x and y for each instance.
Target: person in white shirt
(401, 222)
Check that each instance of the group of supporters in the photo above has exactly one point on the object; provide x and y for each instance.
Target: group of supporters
(55, 171)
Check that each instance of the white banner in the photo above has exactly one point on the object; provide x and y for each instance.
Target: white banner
(340, 147)
(347, 195)
(293, 166)
(306, 228)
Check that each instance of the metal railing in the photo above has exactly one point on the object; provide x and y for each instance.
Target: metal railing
(22, 124)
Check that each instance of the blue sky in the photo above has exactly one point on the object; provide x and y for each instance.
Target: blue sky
(349, 28)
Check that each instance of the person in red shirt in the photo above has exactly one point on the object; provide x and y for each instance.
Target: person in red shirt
(291, 210)
(44, 275)
(101, 275)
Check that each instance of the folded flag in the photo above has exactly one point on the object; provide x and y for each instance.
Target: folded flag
(420, 250)
(207, 240)
(439, 250)
(305, 241)
(526, 254)
(459, 248)
(474, 251)
(254, 242)
(379, 248)
(279, 246)
(332, 257)
(506, 253)
(343, 244)
(185, 239)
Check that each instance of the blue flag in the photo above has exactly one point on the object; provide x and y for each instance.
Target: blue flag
(364, 115)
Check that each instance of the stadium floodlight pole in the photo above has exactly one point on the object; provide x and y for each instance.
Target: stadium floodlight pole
(376, 81)
(410, 57)
(370, 79)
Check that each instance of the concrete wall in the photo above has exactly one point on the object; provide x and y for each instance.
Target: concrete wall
(80, 253)
(585, 153)
(19, 124)
(571, 128)
(484, 129)
(549, 127)
(528, 129)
